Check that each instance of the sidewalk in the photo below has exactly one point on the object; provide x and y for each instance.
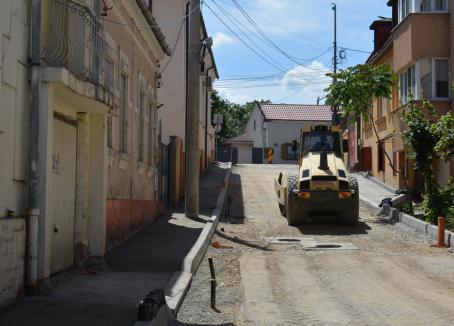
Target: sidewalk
(370, 191)
(108, 294)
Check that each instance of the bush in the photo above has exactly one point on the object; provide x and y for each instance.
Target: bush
(439, 201)
(450, 219)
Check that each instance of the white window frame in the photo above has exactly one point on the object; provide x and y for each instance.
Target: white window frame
(418, 87)
(414, 7)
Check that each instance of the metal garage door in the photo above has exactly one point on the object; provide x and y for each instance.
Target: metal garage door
(63, 193)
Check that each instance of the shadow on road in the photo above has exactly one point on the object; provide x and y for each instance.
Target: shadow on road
(242, 242)
(332, 228)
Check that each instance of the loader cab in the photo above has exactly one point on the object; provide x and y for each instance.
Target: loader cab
(321, 139)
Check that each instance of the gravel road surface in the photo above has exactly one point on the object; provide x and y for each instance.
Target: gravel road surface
(394, 278)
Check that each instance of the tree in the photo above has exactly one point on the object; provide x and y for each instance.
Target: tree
(353, 90)
(426, 136)
(235, 115)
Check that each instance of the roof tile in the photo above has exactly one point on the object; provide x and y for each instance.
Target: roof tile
(296, 112)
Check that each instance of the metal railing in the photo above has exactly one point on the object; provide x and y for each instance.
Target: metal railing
(77, 42)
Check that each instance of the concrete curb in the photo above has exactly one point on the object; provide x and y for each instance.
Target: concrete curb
(429, 231)
(179, 284)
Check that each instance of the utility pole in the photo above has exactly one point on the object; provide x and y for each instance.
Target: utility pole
(335, 108)
(192, 113)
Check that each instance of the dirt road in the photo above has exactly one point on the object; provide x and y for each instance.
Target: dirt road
(392, 279)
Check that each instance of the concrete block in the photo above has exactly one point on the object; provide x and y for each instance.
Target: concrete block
(414, 223)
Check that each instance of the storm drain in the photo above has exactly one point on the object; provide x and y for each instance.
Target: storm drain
(289, 240)
(311, 244)
(329, 246)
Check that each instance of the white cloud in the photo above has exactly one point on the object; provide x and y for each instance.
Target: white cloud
(301, 84)
(221, 39)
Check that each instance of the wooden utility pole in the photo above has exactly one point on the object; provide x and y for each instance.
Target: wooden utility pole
(192, 112)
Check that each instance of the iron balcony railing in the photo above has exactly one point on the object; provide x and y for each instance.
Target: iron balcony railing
(77, 42)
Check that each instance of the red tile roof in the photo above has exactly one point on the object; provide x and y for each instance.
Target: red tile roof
(296, 112)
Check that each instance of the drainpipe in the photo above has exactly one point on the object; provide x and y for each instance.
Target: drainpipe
(206, 119)
(33, 211)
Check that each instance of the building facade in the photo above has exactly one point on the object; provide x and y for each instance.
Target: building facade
(417, 43)
(132, 64)
(172, 100)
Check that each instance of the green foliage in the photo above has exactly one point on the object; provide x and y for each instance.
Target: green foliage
(439, 201)
(420, 138)
(354, 88)
(444, 130)
(407, 208)
(235, 115)
(450, 219)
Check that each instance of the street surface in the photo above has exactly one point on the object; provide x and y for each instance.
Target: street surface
(394, 278)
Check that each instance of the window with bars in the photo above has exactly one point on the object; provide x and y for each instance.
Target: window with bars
(122, 116)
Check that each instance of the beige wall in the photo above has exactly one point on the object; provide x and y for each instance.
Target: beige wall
(421, 35)
(172, 94)
(14, 99)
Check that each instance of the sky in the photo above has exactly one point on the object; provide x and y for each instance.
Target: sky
(281, 50)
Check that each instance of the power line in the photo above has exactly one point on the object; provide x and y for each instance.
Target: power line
(232, 18)
(245, 43)
(174, 47)
(273, 44)
(226, 14)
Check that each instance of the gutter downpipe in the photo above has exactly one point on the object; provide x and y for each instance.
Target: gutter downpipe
(206, 119)
(33, 211)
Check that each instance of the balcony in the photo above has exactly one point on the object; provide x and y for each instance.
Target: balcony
(76, 44)
(420, 35)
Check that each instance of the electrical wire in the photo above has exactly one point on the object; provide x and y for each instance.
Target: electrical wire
(233, 19)
(261, 32)
(175, 46)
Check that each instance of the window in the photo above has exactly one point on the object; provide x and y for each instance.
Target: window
(426, 78)
(150, 133)
(405, 7)
(255, 125)
(122, 121)
(141, 127)
(382, 108)
(109, 132)
(291, 153)
(407, 84)
(150, 5)
(110, 73)
(441, 78)
(432, 82)
(381, 156)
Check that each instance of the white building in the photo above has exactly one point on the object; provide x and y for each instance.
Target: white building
(276, 126)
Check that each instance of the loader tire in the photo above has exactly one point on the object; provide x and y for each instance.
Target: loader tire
(291, 203)
(352, 217)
